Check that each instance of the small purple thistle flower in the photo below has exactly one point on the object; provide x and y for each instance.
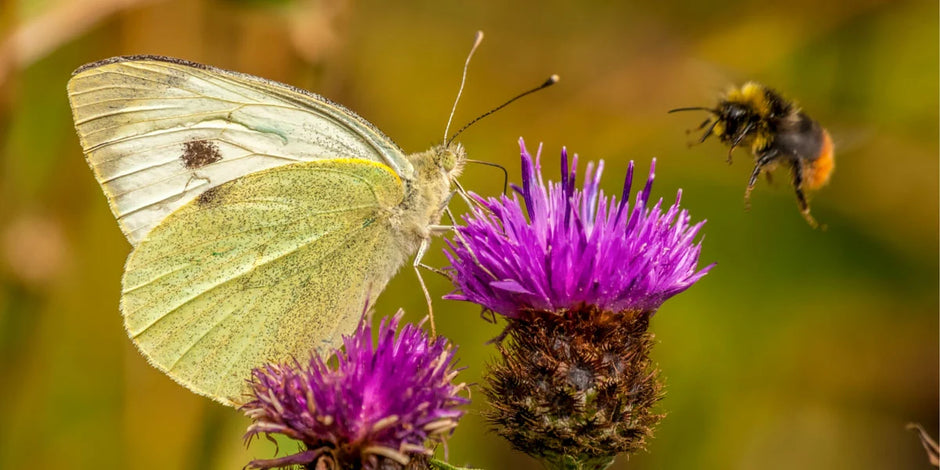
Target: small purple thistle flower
(575, 248)
(368, 407)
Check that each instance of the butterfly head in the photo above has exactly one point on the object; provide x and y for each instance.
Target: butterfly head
(450, 158)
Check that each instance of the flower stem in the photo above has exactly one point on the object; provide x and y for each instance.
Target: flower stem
(570, 462)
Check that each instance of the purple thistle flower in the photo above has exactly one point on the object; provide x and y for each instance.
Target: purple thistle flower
(573, 247)
(370, 406)
(578, 275)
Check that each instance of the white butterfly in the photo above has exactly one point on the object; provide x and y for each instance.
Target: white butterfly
(262, 217)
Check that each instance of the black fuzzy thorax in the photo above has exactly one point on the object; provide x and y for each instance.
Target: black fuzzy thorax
(767, 117)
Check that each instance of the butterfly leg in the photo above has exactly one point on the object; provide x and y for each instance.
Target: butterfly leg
(466, 245)
(417, 265)
(463, 195)
(436, 230)
(422, 249)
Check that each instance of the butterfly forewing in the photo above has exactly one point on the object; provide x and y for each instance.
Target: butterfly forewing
(158, 132)
(275, 264)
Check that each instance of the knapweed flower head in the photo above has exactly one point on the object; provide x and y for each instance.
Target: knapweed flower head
(573, 246)
(368, 406)
(578, 275)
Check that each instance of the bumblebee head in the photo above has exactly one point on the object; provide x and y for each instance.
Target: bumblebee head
(743, 116)
(732, 119)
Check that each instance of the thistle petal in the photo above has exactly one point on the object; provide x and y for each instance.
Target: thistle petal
(571, 246)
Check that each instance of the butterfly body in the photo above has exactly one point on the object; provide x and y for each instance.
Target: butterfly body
(263, 217)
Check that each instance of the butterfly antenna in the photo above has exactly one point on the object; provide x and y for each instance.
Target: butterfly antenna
(496, 165)
(547, 83)
(476, 43)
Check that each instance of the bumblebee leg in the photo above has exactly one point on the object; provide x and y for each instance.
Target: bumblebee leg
(738, 139)
(800, 197)
(750, 186)
(708, 132)
(762, 161)
(697, 129)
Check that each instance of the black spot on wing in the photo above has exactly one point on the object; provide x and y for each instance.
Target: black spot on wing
(199, 153)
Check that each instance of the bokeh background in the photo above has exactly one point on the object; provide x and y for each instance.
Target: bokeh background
(803, 349)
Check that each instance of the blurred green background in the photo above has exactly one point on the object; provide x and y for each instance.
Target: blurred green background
(802, 349)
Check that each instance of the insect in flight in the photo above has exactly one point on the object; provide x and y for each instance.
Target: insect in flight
(777, 131)
(262, 217)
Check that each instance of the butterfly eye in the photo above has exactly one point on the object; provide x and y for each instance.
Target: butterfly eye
(447, 159)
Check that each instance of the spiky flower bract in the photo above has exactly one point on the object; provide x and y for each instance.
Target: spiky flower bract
(368, 406)
(578, 275)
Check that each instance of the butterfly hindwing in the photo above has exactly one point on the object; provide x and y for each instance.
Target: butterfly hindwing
(158, 132)
(265, 267)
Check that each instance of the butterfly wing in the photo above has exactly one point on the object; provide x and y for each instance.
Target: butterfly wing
(157, 132)
(268, 266)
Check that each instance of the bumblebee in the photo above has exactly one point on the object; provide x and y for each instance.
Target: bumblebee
(777, 131)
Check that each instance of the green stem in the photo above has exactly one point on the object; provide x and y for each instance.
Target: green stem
(570, 462)
(441, 465)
